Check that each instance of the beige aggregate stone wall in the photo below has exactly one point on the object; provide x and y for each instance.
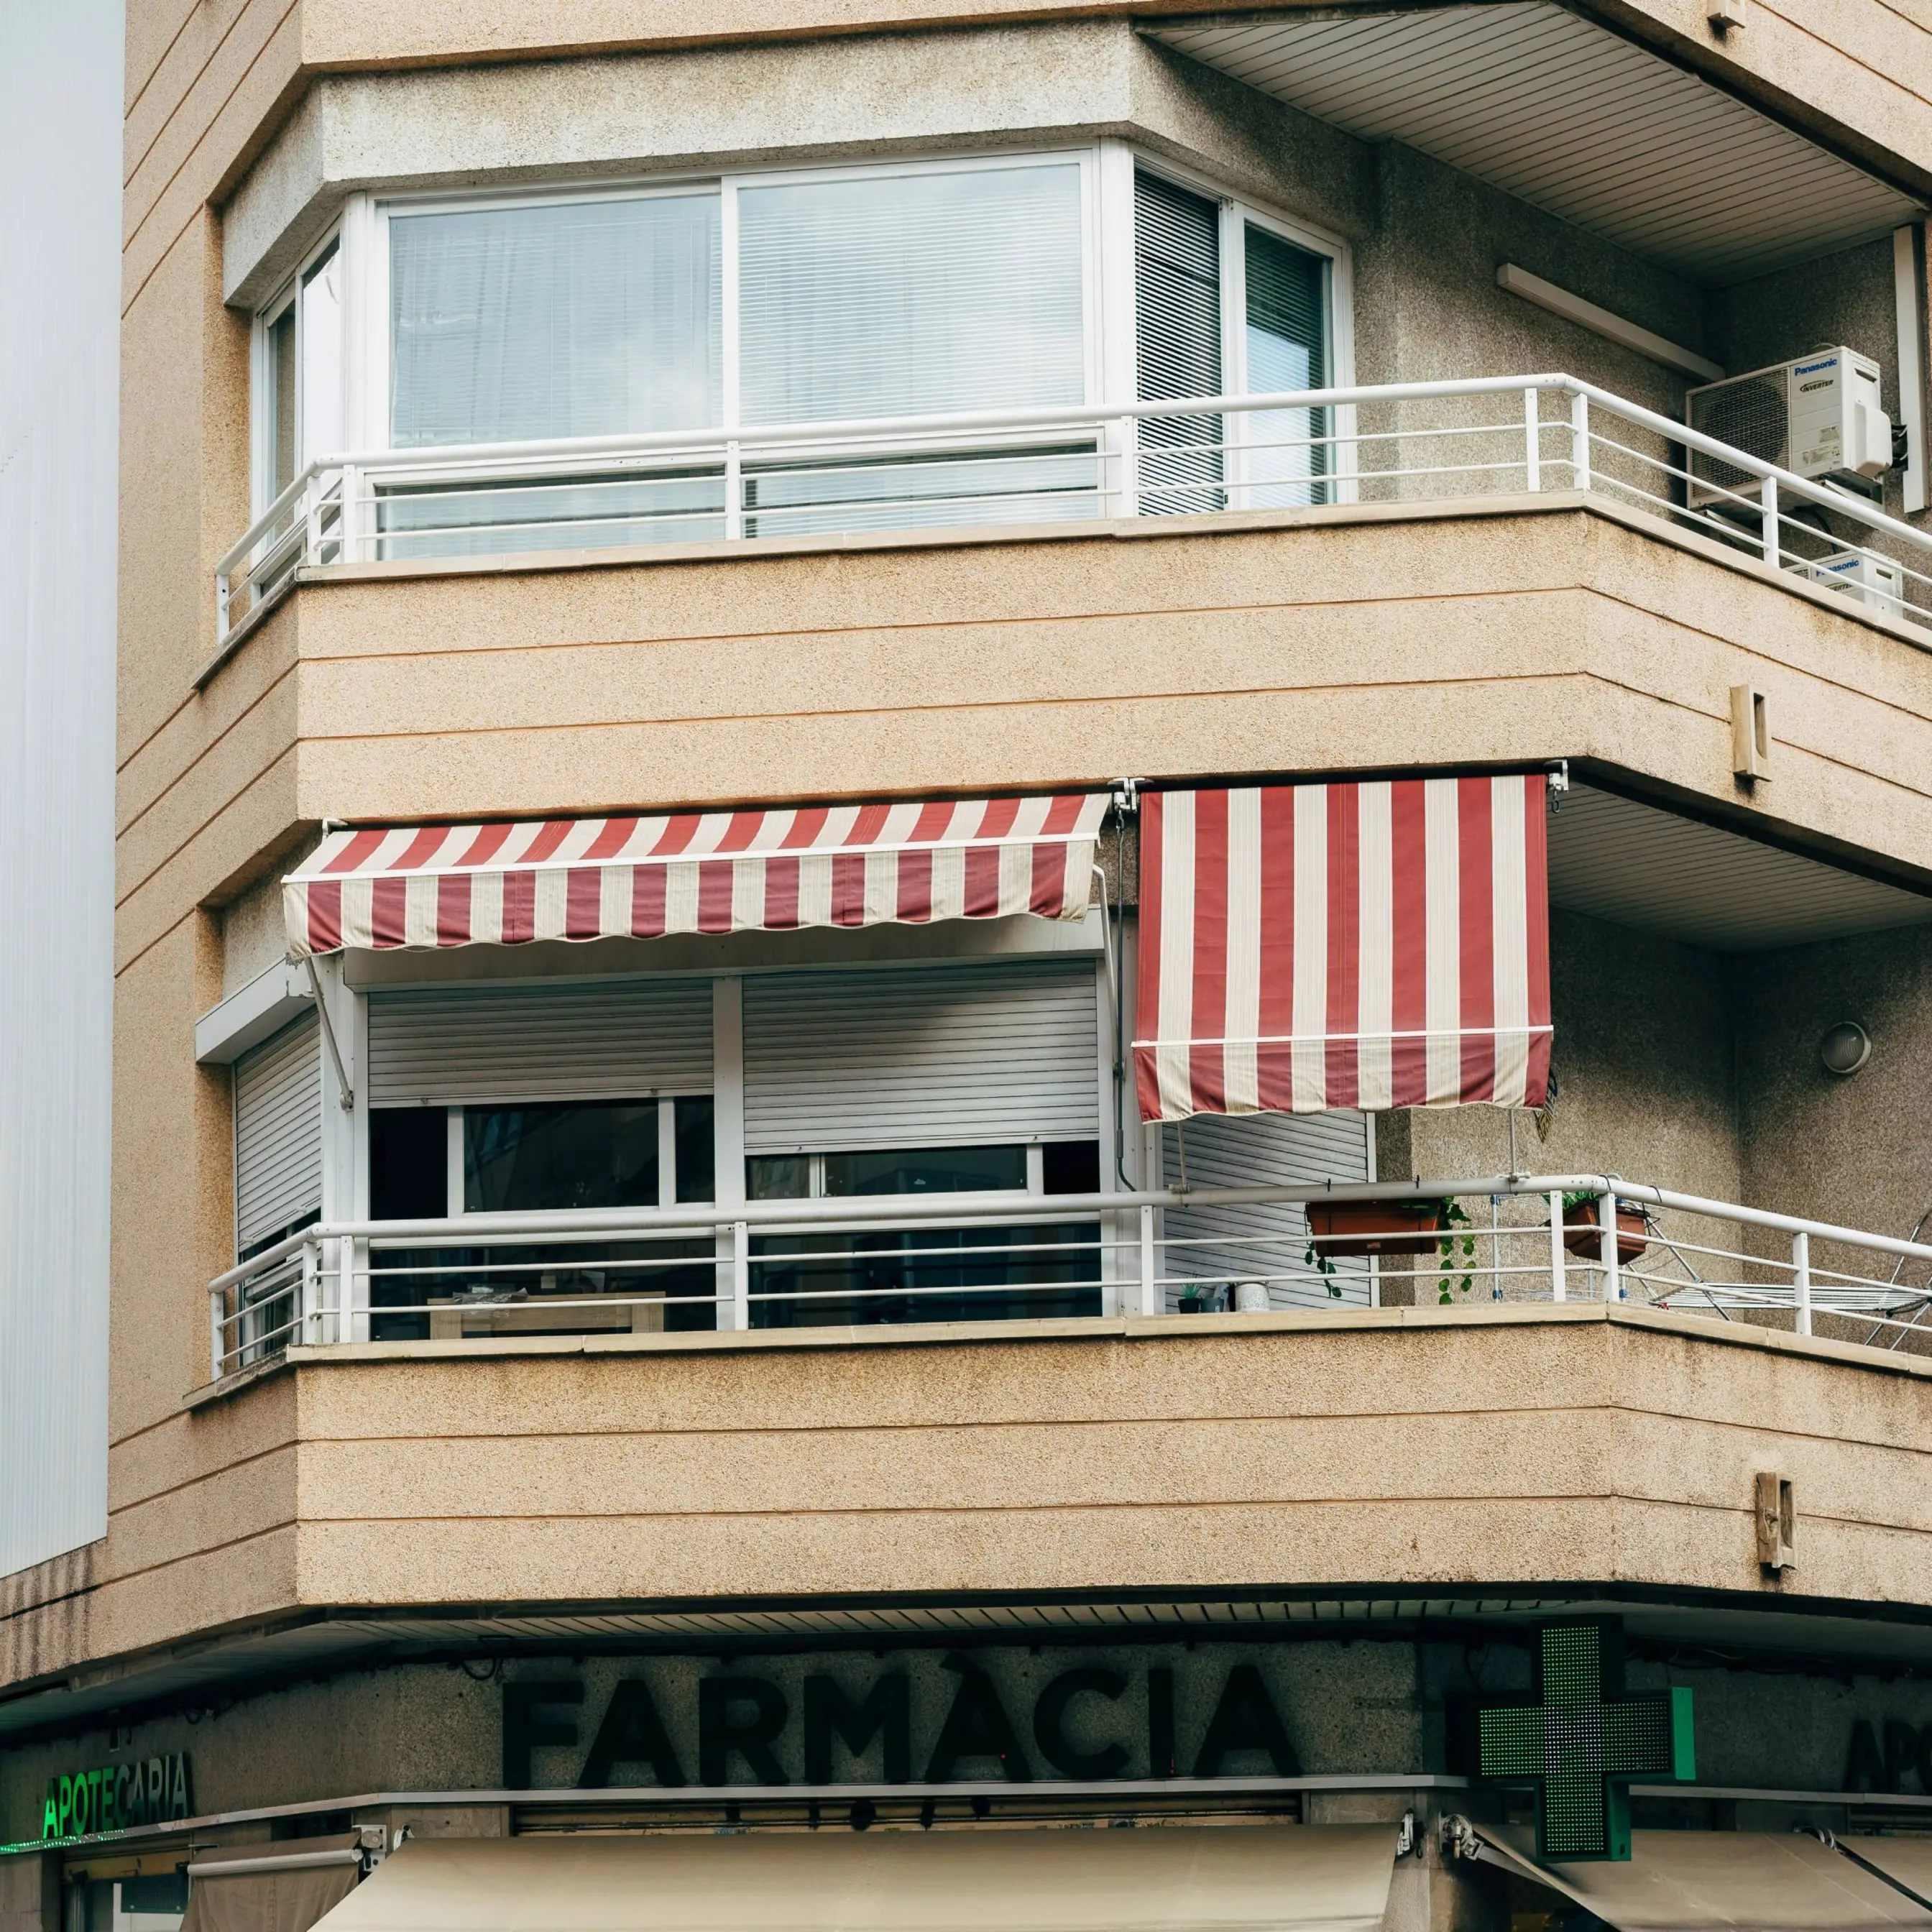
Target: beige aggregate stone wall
(1469, 1445)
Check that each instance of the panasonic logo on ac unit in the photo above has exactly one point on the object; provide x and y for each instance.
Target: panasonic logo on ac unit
(1812, 368)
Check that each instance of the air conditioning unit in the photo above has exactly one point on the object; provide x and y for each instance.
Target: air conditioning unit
(1873, 581)
(1817, 416)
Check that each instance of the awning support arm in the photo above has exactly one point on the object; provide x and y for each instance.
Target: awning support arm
(1838, 1844)
(345, 1093)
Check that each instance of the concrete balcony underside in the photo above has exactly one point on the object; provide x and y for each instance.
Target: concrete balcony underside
(1498, 630)
(1393, 1453)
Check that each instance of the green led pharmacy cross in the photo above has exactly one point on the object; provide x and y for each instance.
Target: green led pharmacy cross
(1581, 1739)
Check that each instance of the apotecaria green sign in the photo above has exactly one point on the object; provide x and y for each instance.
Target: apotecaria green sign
(116, 1796)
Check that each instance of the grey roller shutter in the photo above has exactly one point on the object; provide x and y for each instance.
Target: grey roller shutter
(1259, 1150)
(278, 1134)
(973, 1056)
(605, 1039)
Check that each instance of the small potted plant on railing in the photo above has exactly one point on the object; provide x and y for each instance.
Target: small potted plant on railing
(1363, 1228)
(1384, 1228)
(1583, 1223)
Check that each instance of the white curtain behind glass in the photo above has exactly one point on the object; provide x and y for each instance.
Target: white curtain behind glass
(586, 319)
(911, 294)
(321, 359)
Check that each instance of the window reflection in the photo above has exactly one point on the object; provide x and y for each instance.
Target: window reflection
(567, 1154)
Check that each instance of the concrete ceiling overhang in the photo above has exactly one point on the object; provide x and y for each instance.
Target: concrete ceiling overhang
(248, 1662)
(1636, 865)
(1569, 116)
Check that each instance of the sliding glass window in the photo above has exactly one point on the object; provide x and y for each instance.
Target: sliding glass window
(929, 293)
(756, 349)
(300, 375)
(561, 319)
(1286, 455)
(1225, 305)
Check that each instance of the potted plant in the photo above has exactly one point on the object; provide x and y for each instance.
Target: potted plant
(1437, 1227)
(1582, 1221)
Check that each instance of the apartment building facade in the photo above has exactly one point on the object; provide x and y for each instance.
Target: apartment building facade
(1020, 927)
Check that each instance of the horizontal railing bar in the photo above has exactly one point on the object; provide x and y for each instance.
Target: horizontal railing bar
(286, 534)
(886, 1213)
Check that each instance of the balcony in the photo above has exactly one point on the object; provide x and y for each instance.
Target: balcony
(616, 498)
(481, 1283)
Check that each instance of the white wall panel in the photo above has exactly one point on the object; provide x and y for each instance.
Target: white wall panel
(60, 156)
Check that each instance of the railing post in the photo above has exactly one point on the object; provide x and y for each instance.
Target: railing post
(311, 1297)
(740, 1310)
(734, 492)
(311, 549)
(1800, 1280)
(1532, 451)
(217, 1308)
(1767, 495)
(349, 546)
(1579, 440)
(352, 1289)
(221, 607)
(1130, 466)
(1149, 1285)
(1606, 1216)
(1559, 1285)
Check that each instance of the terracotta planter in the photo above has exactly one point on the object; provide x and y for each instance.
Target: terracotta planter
(1375, 1227)
(1580, 1234)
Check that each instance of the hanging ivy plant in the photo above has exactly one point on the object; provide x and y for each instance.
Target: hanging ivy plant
(1455, 1217)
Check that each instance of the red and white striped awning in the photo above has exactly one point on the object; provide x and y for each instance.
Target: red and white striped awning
(1309, 947)
(505, 884)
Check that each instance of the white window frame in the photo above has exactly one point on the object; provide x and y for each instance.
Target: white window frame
(1121, 161)
(1107, 169)
(371, 415)
(375, 415)
(262, 490)
(455, 1188)
(345, 1155)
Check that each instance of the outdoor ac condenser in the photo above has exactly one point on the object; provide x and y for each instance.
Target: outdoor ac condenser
(1818, 415)
(1874, 581)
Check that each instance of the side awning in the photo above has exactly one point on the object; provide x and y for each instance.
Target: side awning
(1267, 1878)
(1310, 946)
(506, 884)
(283, 1885)
(1713, 1881)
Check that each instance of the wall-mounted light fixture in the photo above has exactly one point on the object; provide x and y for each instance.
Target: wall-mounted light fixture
(1845, 1048)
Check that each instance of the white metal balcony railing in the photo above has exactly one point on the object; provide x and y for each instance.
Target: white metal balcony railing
(797, 1264)
(1399, 443)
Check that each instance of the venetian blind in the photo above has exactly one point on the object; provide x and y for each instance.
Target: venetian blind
(978, 1055)
(278, 1134)
(1178, 341)
(934, 290)
(574, 319)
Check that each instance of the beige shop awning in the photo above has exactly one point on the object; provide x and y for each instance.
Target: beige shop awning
(283, 1885)
(1905, 1862)
(1171, 1878)
(1702, 1881)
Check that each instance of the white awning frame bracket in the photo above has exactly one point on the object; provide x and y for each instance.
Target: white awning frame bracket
(344, 1092)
